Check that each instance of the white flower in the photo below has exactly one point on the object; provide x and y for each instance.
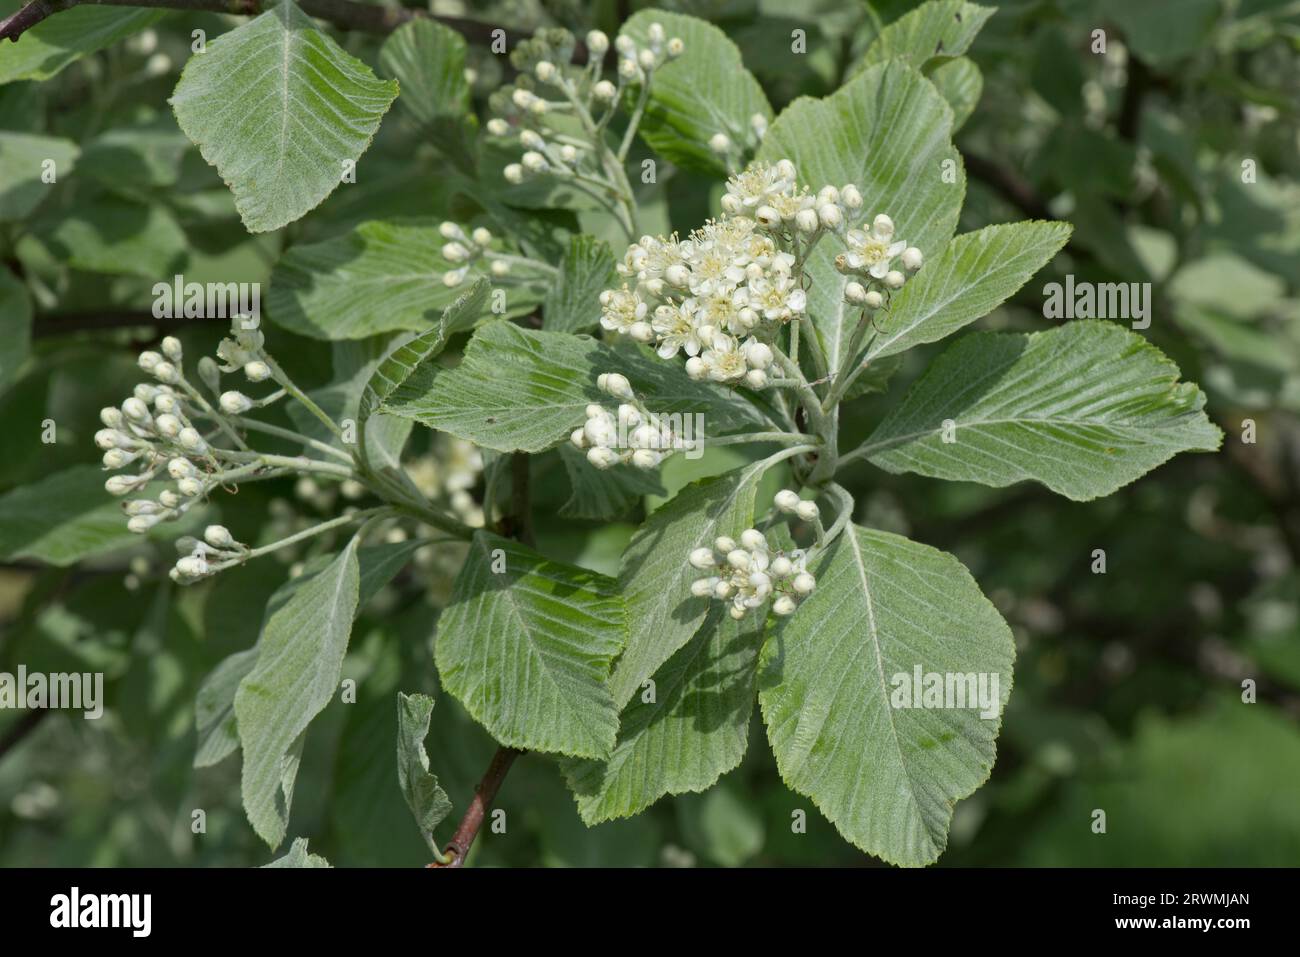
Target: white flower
(677, 329)
(723, 360)
(873, 251)
(621, 309)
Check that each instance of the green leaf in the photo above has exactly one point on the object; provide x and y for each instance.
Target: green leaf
(526, 646)
(22, 156)
(688, 734)
(52, 44)
(975, 274)
(299, 856)
(1162, 31)
(277, 107)
(604, 495)
(15, 327)
(398, 365)
(889, 132)
(428, 59)
(299, 663)
(887, 777)
(1084, 409)
(62, 519)
(573, 303)
(655, 576)
(705, 91)
(940, 28)
(424, 796)
(119, 237)
(525, 390)
(961, 83)
(214, 708)
(381, 277)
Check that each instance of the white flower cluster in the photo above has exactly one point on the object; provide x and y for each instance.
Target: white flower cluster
(629, 434)
(548, 85)
(154, 428)
(870, 259)
(722, 295)
(465, 251)
(749, 573)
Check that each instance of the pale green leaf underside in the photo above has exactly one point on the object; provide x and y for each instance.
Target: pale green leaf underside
(428, 59)
(299, 856)
(278, 107)
(424, 796)
(705, 91)
(63, 519)
(975, 274)
(526, 646)
(525, 390)
(604, 495)
(886, 777)
(941, 28)
(52, 44)
(1085, 409)
(381, 277)
(961, 83)
(694, 731)
(655, 576)
(299, 663)
(889, 132)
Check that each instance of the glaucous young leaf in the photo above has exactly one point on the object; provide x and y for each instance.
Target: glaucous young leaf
(526, 646)
(705, 91)
(525, 390)
(1035, 407)
(889, 132)
(299, 663)
(573, 302)
(685, 735)
(424, 796)
(279, 108)
(974, 274)
(829, 680)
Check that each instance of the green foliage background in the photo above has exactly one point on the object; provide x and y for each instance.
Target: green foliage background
(1128, 684)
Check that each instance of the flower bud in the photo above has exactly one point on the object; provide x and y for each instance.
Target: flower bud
(616, 385)
(830, 215)
(738, 558)
(781, 567)
(655, 33)
(807, 510)
(179, 468)
(111, 438)
(646, 60)
(121, 484)
(703, 587)
(724, 544)
(786, 170)
(723, 589)
(756, 379)
(604, 91)
(646, 458)
(736, 612)
(454, 252)
(190, 440)
(850, 196)
(703, 558)
(147, 360)
(112, 417)
(579, 438)
(625, 45)
(912, 259)
(806, 220)
(190, 487)
(895, 279)
(168, 425)
(597, 42)
(757, 354)
(166, 372)
(628, 416)
(882, 226)
(602, 458)
(753, 539)
(513, 174)
(676, 48)
(803, 583)
(118, 458)
(784, 605)
(218, 536)
(678, 275)
(695, 368)
(786, 500)
(234, 403)
(545, 71)
(855, 292)
(192, 566)
(135, 410)
(767, 216)
(168, 499)
(482, 236)
(497, 126)
(641, 332)
(534, 162)
(720, 143)
(171, 347)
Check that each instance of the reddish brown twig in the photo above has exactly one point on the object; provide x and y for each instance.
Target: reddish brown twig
(484, 795)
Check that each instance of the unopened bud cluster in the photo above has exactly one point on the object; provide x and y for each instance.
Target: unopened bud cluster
(749, 573)
(627, 435)
(869, 260)
(470, 252)
(549, 85)
(199, 559)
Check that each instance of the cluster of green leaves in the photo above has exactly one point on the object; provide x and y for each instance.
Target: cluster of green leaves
(585, 647)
